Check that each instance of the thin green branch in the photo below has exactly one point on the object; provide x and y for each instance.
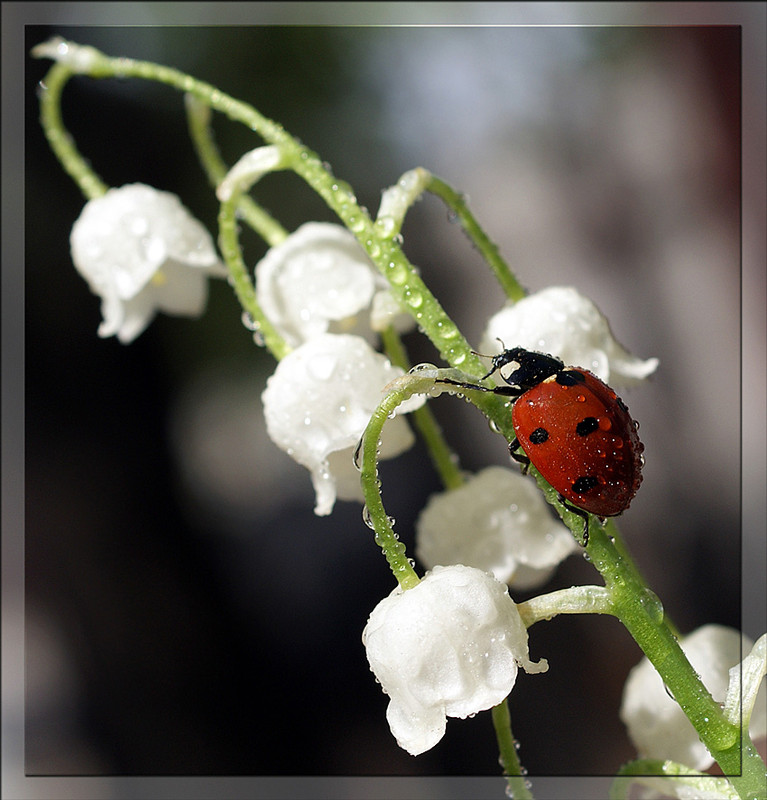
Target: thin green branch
(59, 137)
(573, 600)
(456, 202)
(518, 785)
(398, 391)
(443, 457)
(198, 118)
(405, 281)
(241, 282)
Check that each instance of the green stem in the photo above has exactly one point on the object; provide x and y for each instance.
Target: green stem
(642, 614)
(241, 282)
(198, 119)
(405, 282)
(489, 250)
(444, 459)
(399, 390)
(399, 198)
(59, 137)
(518, 786)
(574, 600)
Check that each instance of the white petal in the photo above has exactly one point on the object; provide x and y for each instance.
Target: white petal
(319, 400)
(562, 322)
(498, 522)
(318, 276)
(448, 647)
(140, 247)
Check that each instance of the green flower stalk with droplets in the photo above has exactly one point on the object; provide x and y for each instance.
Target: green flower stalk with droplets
(624, 595)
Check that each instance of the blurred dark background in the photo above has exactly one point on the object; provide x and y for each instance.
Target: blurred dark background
(186, 611)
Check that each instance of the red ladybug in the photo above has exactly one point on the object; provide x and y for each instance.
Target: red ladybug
(574, 429)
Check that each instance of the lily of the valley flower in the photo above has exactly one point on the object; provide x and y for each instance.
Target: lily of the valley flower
(562, 322)
(656, 723)
(142, 251)
(449, 647)
(317, 404)
(497, 521)
(320, 280)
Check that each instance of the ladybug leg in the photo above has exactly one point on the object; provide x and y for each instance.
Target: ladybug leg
(520, 458)
(507, 391)
(581, 513)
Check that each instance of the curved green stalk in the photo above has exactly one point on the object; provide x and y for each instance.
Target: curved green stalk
(573, 600)
(228, 241)
(405, 282)
(444, 459)
(456, 202)
(198, 118)
(641, 612)
(58, 136)
(366, 458)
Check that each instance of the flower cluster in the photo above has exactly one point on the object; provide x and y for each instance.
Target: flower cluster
(450, 644)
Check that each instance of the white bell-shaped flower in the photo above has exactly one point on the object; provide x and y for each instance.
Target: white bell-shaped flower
(142, 251)
(499, 522)
(563, 323)
(656, 723)
(317, 404)
(449, 647)
(320, 280)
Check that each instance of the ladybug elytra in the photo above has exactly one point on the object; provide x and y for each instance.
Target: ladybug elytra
(574, 429)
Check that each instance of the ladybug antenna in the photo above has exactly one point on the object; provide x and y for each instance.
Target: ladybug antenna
(499, 359)
(485, 355)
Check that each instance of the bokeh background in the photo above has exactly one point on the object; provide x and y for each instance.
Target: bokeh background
(186, 612)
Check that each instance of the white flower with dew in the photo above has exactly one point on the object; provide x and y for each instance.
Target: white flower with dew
(141, 251)
(656, 723)
(320, 280)
(449, 647)
(317, 404)
(564, 323)
(497, 521)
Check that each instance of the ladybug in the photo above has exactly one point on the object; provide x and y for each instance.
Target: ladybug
(574, 429)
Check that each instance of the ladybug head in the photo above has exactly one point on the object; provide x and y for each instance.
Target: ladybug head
(533, 367)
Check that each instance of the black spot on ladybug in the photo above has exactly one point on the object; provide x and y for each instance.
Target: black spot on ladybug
(585, 484)
(586, 426)
(569, 377)
(539, 436)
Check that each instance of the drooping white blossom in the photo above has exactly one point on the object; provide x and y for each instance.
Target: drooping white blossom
(562, 322)
(317, 404)
(320, 280)
(142, 252)
(656, 723)
(497, 521)
(448, 647)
